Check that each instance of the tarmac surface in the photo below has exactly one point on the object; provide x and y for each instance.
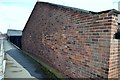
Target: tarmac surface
(19, 65)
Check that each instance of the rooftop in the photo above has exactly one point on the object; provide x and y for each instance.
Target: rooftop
(111, 11)
(11, 32)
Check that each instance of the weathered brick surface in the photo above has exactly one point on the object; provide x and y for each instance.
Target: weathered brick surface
(79, 45)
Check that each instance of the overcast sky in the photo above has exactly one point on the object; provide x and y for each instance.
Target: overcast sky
(15, 13)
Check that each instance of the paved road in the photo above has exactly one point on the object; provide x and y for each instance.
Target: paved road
(23, 60)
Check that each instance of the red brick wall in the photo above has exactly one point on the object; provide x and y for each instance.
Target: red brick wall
(77, 44)
(113, 60)
(119, 58)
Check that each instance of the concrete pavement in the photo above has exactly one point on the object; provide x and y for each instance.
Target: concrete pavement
(15, 70)
(19, 65)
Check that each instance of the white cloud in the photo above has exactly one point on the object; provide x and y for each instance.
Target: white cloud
(92, 5)
(15, 15)
(17, 1)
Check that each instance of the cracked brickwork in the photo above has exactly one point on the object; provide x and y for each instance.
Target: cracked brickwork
(79, 45)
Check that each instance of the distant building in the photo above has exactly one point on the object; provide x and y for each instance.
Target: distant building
(78, 43)
(1, 34)
(14, 36)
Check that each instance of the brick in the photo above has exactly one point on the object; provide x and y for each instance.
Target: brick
(103, 15)
(108, 17)
(77, 44)
(106, 31)
(107, 24)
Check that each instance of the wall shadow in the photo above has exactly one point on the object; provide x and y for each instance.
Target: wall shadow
(29, 64)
